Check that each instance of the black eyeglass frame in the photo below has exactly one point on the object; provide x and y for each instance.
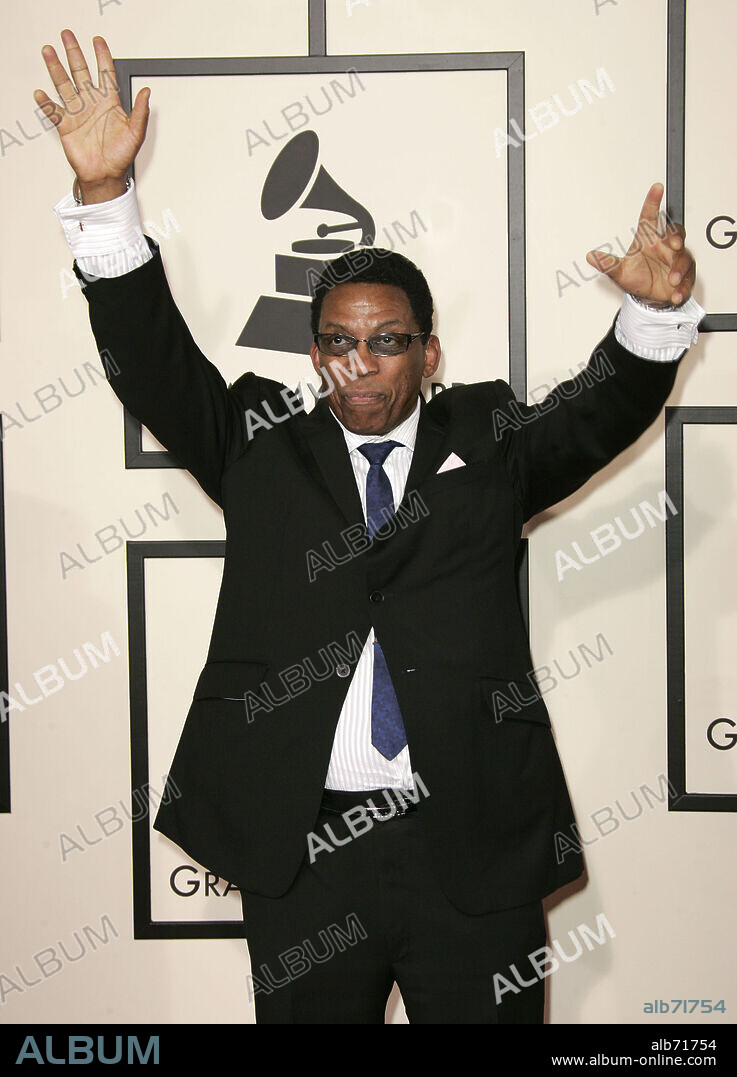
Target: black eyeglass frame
(408, 337)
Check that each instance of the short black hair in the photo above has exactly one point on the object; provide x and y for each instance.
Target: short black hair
(375, 265)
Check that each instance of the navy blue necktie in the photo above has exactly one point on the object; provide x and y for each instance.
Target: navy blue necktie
(387, 729)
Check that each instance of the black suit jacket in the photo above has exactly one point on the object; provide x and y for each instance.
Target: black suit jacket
(440, 591)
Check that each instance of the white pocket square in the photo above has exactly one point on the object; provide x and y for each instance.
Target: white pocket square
(451, 462)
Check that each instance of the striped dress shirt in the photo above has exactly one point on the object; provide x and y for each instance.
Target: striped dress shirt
(355, 763)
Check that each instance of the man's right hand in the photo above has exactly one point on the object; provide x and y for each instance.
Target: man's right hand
(100, 140)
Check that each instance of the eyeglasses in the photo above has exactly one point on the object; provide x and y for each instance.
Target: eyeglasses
(378, 344)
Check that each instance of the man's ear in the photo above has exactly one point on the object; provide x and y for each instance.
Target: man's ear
(315, 357)
(432, 356)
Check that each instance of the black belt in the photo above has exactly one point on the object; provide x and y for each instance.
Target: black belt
(379, 804)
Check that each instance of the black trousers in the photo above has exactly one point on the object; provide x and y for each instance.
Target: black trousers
(368, 912)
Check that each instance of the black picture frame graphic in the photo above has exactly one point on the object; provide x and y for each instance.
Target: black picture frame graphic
(144, 926)
(4, 671)
(679, 797)
(676, 139)
(675, 419)
(512, 63)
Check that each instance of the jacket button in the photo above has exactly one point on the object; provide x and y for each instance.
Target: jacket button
(342, 670)
(376, 596)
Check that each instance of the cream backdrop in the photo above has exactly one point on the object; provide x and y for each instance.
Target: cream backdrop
(666, 880)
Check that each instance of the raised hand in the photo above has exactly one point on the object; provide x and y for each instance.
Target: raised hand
(657, 267)
(100, 140)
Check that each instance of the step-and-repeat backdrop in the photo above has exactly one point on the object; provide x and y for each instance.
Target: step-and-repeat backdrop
(494, 144)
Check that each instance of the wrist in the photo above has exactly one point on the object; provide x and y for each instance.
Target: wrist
(88, 194)
(660, 335)
(649, 305)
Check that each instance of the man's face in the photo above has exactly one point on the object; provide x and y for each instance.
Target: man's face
(379, 391)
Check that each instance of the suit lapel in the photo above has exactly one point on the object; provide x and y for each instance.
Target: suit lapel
(428, 446)
(328, 450)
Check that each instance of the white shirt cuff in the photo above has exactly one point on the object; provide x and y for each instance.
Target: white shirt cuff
(106, 238)
(662, 335)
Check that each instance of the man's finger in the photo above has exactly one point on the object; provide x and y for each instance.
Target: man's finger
(50, 108)
(673, 227)
(650, 206)
(686, 285)
(676, 235)
(66, 88)
(75, 58)
(105, 65)
(648, 231)
(603, 261)
(140, 113)
(680, 267)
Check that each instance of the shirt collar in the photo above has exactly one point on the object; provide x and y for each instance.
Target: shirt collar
(405, 432)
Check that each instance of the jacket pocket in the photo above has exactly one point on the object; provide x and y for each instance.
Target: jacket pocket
(455, 477)
(230, 680)
(512, 699)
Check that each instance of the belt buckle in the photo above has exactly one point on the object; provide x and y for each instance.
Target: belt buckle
(385, 812)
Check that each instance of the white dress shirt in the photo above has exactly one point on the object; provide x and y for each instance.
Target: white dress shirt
(355, 763)
(107, 240)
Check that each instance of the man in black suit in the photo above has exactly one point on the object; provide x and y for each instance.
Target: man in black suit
(364, 757)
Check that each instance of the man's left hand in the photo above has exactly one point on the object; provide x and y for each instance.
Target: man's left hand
(657, 268)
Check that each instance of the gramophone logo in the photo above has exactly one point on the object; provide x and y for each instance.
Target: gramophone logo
(282, 323)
